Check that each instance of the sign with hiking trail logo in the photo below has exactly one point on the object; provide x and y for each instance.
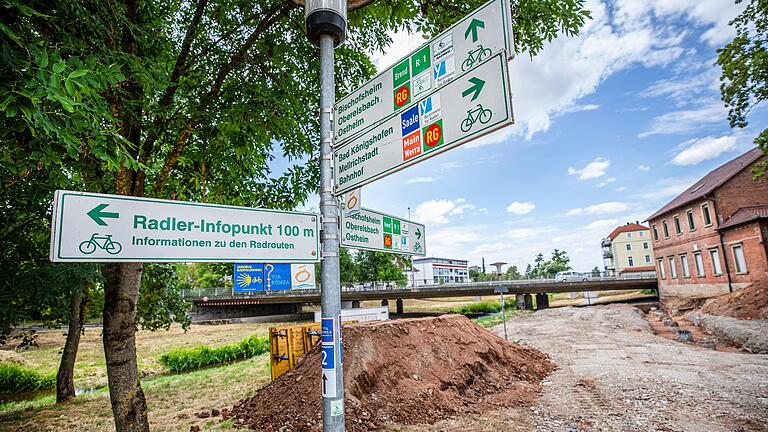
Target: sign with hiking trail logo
(376, 231)
(89, 227)
(459, 48)
(475, 103)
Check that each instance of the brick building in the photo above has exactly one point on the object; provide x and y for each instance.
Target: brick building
(713, 238)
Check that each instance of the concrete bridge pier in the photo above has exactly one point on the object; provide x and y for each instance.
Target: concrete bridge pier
(385, 303)
(528, 301)
(356, 304)
(400, 307)
(542, 301)
(520, 301)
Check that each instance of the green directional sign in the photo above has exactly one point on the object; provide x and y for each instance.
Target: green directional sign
(473, 104)
(376, 231)
(464, 45)
(97, 214)
(90, 227)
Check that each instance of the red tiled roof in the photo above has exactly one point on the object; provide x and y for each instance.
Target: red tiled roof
(744, 215)
(632, 227)
(711, 181)
(638, 269)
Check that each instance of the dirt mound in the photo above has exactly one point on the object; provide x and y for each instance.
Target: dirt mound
(747, 303)
(411, 371)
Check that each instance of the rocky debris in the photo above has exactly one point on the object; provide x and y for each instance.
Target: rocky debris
(684, 336)
(751, 336)
(407, 372)
(750, 303)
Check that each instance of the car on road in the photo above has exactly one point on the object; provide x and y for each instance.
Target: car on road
(571, 276)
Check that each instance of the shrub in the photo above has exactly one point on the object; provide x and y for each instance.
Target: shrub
(16, 378)
(481, 308)
(185, 359)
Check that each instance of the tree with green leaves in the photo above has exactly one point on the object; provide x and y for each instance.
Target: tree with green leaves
(189, 100)
(513, 273)
(596, 272)
(744, 77)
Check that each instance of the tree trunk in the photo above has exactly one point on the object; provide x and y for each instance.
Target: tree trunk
(121, 290)
(65, 384)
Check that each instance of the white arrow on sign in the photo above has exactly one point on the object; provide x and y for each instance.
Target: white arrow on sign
(90, 227)
(372, 230)
(472, 105)
(457, 49)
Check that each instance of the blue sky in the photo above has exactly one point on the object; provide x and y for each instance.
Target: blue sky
(610, 126)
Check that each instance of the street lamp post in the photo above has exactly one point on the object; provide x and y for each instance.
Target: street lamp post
(326, 22)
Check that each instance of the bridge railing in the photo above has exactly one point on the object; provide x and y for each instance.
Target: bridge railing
(196, 293)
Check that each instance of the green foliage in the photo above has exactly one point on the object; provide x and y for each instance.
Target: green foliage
(371, 266)
(160, 302)
(596, 271)
(481, 308)
(513, 273)
(181, 360)
(744, 62)
(15, 378)
(558, 262)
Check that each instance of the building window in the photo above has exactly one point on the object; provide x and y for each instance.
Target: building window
(661, 268)
(715, 255)
(678, 229)
(655, 233)
(629, 246)
(631, 261)
(684, 265)
(672, 268)
(645, 245)
(647, 259)
(705, 213)
(738, 258)
(699, 264)
(640, 234)
(691, 222)
(666, 228)
(629, 235)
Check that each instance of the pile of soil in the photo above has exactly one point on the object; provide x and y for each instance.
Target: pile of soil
(410, 371)
(748, 303)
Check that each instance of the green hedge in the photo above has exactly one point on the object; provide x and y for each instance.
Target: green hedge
(481, 308)
(15, 378)
(181, 360)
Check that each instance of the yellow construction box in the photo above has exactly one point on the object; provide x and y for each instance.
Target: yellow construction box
(288, 343)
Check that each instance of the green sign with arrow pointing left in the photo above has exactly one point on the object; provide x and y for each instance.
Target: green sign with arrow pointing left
(98, 214)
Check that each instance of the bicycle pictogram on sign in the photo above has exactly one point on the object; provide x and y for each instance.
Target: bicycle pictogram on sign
(479, 114)
(103, 242)
(475, 56)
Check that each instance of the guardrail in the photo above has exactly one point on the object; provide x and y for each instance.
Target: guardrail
(197, 293)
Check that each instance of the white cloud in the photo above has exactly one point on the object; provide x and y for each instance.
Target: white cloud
(594, 169)
(579, 108)
(605, 183)
(621, 188)
(521, 208)
(687, 120)
(643, 167)
(602, 224)
(421, 180)
(520, 233)
(698, 150)
(604, 208)
(685, 87)
(666, 188)
(436, 212)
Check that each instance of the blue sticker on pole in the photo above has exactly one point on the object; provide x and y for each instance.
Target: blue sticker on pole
(248, 277)
(328, 357)
(327, 326)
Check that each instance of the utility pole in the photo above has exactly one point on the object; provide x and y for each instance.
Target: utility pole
(326, 22)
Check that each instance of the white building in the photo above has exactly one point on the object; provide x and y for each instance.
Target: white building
(436, 271)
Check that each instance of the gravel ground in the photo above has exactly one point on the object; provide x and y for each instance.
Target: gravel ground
(750, 335)
(616, 375)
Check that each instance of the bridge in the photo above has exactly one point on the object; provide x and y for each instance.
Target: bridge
(217, 303)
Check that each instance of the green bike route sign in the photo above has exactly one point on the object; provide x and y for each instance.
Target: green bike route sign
(457, 49)
(89, 227)
(473, 104)
(376, 231)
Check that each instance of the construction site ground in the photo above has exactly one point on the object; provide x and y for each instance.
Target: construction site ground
(615, 374)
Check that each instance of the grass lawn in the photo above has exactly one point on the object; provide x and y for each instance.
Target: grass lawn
(173, 399)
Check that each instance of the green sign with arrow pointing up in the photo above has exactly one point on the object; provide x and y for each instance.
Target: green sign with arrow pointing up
(472, 29)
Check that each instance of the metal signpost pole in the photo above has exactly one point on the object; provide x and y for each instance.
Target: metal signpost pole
(326, 27)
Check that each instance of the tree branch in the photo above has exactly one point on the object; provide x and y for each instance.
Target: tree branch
(173, 157)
